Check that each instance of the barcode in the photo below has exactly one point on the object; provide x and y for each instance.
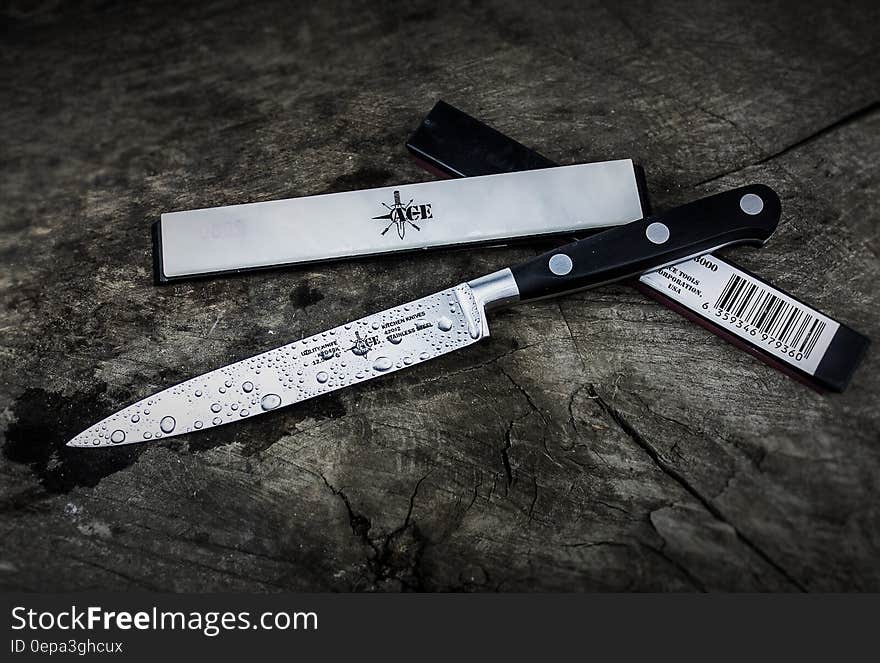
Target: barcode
(783, 321)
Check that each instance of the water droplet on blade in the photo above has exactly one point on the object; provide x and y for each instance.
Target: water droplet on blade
(382, 364)
(117, 436)
(270, 401)
(322, 377)
(217, 421)
(247, 387)
(216, 407)
(167, 424)
(135, 418)
(444, 324)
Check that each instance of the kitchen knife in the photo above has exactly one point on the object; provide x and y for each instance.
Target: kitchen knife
(438, 324)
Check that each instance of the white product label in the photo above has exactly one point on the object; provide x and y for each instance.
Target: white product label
(750, 309)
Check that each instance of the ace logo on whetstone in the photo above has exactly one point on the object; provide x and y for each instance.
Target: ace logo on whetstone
(401, 215)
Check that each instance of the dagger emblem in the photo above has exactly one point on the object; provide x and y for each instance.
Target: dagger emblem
(360, 347)
(401, 215)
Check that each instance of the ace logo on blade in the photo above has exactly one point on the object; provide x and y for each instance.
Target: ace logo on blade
(401, 215)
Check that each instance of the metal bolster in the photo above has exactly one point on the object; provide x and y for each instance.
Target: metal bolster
(495, 289)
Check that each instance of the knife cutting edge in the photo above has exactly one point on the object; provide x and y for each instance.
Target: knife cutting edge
(437, 324)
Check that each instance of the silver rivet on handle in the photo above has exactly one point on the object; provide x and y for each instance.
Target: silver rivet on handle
(560, 264)
(751, 204)
(657, 232)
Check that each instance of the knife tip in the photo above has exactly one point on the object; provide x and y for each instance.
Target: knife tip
(79, 441)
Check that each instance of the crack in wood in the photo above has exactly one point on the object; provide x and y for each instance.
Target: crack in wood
(849, 118)
(684, 483)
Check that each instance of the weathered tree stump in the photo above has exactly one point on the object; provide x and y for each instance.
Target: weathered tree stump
(597, 442)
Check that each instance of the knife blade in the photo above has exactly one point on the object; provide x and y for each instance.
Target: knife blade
(438, 324)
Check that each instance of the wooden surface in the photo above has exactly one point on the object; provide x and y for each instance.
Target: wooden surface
(597, 442)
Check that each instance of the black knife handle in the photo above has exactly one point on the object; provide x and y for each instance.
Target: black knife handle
(747, 215)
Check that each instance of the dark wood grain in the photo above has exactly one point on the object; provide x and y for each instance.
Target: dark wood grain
(597, 442)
